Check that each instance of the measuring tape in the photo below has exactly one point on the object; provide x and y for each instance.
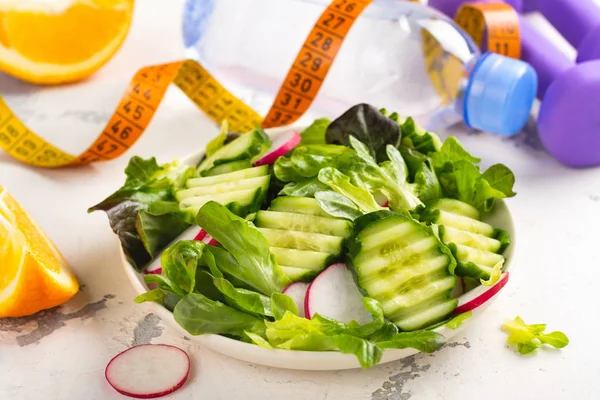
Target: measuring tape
(147, 89)
(498, 22)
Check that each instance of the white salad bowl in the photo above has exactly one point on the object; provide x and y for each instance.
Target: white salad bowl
(500, 217)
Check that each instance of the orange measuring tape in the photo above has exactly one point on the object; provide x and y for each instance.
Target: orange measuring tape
(147, 89)
(498, 22)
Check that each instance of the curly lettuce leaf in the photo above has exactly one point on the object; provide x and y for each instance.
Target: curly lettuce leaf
(338, 205)
(528, 338)
(461, 178)
(418, 139)
(144, 212)
(307, 188)
(306, 161)
(247, 245)
(367, 124)
(390, 181)
(198, 315)
(341, 184)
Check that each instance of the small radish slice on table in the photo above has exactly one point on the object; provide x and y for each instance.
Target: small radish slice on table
(478, 296)
(281, 146)
(148, 371)
(297, 291)
(334, 294)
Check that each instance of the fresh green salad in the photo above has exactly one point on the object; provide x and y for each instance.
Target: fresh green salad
(356, 235)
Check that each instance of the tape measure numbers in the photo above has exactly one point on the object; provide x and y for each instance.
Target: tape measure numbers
(492, 26)
(499, 22)
(147, 89)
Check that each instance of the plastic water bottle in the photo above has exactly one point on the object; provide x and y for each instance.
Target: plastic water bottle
(398, 55)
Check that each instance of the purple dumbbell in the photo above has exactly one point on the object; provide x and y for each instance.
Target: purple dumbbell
(578, 21)
(450, 7)
(569, 118)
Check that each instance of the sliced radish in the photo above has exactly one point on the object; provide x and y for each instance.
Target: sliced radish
(201, 235)
(297, 291)
(334, 294)
(281, 146)
(478, 296)
(148, 370)
(154, 269)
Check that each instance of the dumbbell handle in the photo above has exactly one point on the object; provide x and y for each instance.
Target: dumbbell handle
(544, 57)
(574, 19)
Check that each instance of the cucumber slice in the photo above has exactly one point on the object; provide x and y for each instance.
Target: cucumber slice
(464, 223)
(465, 254)
(303, 223)
(427, 316)
(245, 147)
(303, 240)
(299, 274)
(299, 205)
(250, 183)
(230, 177)
(475, 240)
(227, 168)
(248, 200)
(456, 207)
(312, 260)
(402, 264)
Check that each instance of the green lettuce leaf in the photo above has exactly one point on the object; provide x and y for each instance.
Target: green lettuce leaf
(306, 161)
(367, 124)
(247, 246)
(528, 338)
(390, 181)
(244, 299)
(460, 319)
(281, 303)
(307, 188)
(338, 205)
(423, 340)
(198, 315)
(341, 184)
(418, 139)
(315, 133)
(142, 229)
(460, 177)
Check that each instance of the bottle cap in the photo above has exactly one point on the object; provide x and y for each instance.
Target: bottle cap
(499, 94)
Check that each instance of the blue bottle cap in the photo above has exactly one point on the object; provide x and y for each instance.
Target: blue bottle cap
(499, 94)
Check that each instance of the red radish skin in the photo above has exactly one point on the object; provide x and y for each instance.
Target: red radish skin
(201, 235)
(297, 291)
(148, 371)
(334, 294)
(289, 144)
(467, 302)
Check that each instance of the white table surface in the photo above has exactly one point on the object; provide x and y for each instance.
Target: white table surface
(62, 353)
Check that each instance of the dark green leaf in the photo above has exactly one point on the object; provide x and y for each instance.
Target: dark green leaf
(244, 299)
(367, 124)
(199, 315)
(500, 178)
(152, 295)
(143, 212)
(247, 245)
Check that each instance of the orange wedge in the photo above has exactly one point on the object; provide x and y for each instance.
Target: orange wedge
(34, 276)
(60, 41)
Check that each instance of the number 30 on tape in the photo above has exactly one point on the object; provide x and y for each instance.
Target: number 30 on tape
(147, 89)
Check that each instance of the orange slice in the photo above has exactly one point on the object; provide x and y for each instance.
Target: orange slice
(34, 276)
(51, 42)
